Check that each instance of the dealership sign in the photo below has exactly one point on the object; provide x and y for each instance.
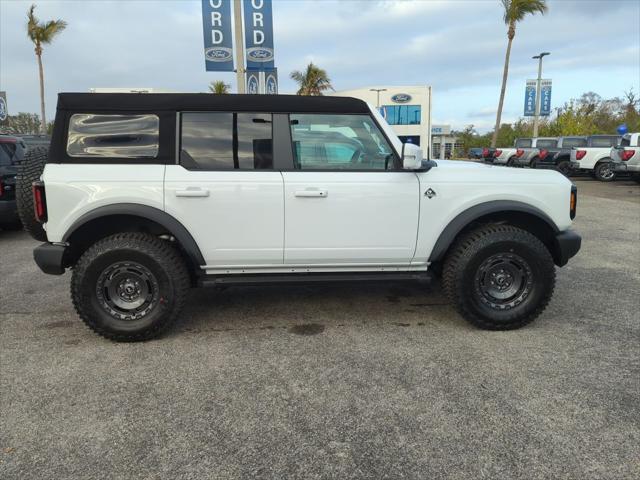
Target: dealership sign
(401, 98)
(258, 34)
(218, 43)
(271, 82)
(530, 98)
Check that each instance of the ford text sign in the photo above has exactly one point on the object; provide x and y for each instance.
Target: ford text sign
(216, 27)
(401, 98)
(258, 34)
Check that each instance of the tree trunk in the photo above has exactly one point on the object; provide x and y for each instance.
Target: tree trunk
(505, 74)
(43, 120)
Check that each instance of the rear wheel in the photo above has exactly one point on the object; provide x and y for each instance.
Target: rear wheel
(499, 277)
(534, 162)
(604, 171)
(130, 286)
(564, 167)
(29, 170)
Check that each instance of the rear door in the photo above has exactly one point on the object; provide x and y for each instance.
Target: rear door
(225, 189)
(347, 205)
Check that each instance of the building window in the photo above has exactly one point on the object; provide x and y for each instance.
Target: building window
(113, 136)
(226, 141)
(401, 114)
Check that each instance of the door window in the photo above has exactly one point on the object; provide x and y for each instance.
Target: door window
(339, 142)
(226, 141)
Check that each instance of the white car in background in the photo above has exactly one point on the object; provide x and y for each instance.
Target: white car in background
(596, 157)
(626, 156)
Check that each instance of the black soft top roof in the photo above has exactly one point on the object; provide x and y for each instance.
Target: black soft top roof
(89, 102)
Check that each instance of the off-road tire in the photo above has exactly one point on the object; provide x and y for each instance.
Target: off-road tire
(162, 262)
(29, 170)
(462, 265)
(602, 168)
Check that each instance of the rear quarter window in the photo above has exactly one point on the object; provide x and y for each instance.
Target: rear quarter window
(523, 143)
(574, 142)
(547, 143)
(603, 142)
(113, 136)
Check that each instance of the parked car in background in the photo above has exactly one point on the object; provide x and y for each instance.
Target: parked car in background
(12, 150)
(36, 140)
(519, 155)
(558, 157)
(475, 153)
(488, 154)
(626, 155)
(595, 157)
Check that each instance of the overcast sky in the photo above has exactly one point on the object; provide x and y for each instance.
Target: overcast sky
(456, 46)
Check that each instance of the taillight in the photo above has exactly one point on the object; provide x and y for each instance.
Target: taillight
(573, 202)
(1, 187)
(627, 154)
(485, 152)
(580, 154)
(543, 153)
(39, 201)
(497, 153)
(519, 152)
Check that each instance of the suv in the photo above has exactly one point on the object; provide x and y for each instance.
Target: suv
(626, 156)
(12, 150)
(146, 195)
(595, 157)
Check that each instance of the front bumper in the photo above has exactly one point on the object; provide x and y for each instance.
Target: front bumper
(50, 258)
(624, 167)
(567, 244)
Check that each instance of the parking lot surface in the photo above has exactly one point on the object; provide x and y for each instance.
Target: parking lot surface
(358, 381)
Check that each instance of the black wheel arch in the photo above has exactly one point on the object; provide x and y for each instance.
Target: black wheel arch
(129, 217)
(517, 214)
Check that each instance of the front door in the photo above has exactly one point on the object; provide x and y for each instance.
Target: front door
(347, 204)
(225, 190)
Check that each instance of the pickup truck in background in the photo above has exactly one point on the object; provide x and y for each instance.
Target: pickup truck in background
(558, 157)
(521, 154)
(595, 157)
(626, 156)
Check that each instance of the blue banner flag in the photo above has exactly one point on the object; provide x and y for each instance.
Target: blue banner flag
(271, 82)
(258, 34)
(218, 44)
(545, 97)
(253, 81)
(530, 98)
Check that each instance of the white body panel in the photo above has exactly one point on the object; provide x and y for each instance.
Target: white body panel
(239, 221)
(356, 218)
(632, 165)
(591, 158)
(505, 155)
(73, 190)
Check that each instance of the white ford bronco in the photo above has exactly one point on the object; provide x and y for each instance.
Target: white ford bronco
(143, 196)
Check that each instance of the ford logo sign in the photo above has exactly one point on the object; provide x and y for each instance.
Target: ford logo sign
(401, 98)
(218, 54)
(259, 54)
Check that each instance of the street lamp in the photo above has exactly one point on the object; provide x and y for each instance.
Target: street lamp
(378, 90)
(536, 119)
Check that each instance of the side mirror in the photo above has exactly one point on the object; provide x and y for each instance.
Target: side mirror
(411, 156)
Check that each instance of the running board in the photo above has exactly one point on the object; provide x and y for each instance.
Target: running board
(317, 278)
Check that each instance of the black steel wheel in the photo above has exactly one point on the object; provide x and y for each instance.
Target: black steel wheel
(499, 277)
(130, 286)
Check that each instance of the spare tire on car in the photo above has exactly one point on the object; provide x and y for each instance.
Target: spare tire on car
(29, 171)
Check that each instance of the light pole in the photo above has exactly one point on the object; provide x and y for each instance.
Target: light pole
(536, 119)
(237, 15)
(378, 90)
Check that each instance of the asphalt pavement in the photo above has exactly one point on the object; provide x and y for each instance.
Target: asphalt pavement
(346, 382)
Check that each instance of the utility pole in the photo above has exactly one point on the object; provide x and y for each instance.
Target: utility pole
(536, 119)
(237, 17)
(378, 90)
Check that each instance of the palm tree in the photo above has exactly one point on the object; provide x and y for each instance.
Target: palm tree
(219, 86)
(41, 33)
(313, 81)
(514, 12)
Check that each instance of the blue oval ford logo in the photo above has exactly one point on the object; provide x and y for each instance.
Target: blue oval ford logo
(259, 54)
(401, 98)
(218, 54)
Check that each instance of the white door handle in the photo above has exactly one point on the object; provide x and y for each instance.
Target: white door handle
(192, 192)
(311, 193)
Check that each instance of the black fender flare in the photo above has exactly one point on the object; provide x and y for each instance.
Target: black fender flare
(156, 215)
(464, 218)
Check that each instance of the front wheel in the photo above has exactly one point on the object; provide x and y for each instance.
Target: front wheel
(130, 286)
(604, 172)
(499, 277)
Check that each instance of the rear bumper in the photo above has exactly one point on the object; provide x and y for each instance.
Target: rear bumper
(567, 244)
(624, 167)
(8, 211)
(50, 258)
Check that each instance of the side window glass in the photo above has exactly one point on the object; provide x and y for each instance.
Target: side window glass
(113, 136)
(339, 142)
(226, 141)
